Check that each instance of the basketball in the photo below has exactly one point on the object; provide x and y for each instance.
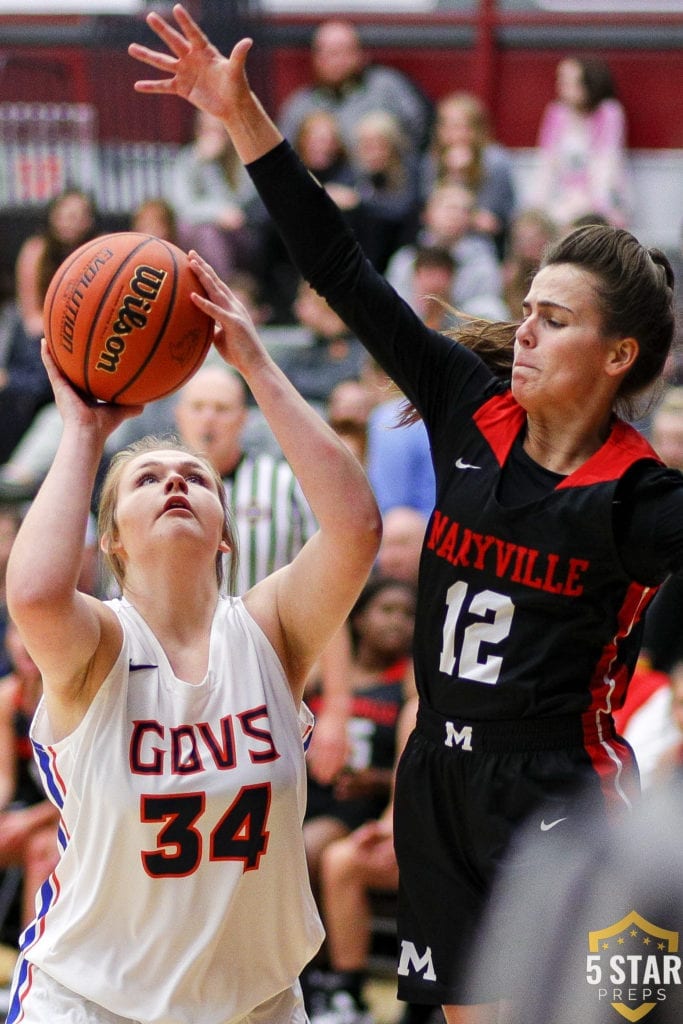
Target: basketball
(119, 320)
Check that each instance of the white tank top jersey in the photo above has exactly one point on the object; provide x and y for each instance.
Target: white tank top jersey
(182, 892)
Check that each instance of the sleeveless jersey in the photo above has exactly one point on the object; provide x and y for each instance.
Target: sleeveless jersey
(182, 891)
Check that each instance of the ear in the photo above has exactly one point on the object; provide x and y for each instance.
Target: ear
(110, 545)
(622, 355)
(225, 547)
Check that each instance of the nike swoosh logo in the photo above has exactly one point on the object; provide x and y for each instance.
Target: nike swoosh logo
(547, 825)
(460, 464)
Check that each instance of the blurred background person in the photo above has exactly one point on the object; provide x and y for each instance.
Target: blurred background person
(215, 204)
(446, 222)
(345, 82)
(582, 147)
(380, 678)
(463, 151)
(531, 231)
(70, 220)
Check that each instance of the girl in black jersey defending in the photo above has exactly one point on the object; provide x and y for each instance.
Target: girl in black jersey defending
(554, 524)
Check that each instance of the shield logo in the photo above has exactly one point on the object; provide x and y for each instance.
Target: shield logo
(642, 953)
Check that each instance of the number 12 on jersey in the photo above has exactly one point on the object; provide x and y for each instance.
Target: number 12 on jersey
(495, 612)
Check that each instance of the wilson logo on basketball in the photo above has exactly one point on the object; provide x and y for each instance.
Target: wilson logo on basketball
(133, 314)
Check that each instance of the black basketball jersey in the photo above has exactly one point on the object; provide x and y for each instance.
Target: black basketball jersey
(523, 611)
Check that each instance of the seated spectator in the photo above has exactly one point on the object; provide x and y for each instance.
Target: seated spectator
(28, 821)
(403, 531)
(24, 386)
(434, 273)
(348, 408)
(386, 186)
(347, 84)
(446, 223)
(156, 217)
(530, 232)
(214, 201)
(581, 144)
(329, 355)
(463, 152)
(381, 625)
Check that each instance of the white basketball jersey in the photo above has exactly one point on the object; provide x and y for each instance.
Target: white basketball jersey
(182, 893)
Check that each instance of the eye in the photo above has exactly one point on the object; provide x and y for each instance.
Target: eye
(145, 478)
(195, 477)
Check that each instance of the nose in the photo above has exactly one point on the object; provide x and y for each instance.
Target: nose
(175, 481)
(524, 335)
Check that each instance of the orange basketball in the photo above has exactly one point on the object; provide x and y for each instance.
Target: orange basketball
(120, 322)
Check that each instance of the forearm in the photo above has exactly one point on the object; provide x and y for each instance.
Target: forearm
(252, 131)
(46, 556)
(309, 446)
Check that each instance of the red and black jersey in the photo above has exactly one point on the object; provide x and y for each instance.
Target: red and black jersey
(529, 607)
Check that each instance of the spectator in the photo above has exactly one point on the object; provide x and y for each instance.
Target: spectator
(582, 164)
(28, 821)
(434, 277)
(348, 409)
(402, 538)
(381, 625)
(214, 202)
(329, 354)
(347, 84)
(462, 151)
(530, 232)
(24, 387)
(386, 186)
(447, 223)
(156, 217)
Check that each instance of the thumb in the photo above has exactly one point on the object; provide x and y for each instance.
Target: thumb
(239, 53)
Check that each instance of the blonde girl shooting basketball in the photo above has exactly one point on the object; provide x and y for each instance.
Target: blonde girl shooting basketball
(171, 734)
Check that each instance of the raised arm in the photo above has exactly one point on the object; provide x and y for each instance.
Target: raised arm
(301, 606)
(315, 232)
(72, 637)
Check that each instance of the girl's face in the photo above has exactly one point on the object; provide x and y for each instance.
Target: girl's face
(374, 150)
(454, 126)
(166, 497)
(569, 84)
(561, 353)
(71, 218)
(387, 622)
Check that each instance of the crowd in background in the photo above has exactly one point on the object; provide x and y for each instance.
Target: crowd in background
(431, 195)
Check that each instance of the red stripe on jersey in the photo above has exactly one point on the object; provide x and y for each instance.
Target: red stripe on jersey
(500, 420)
(611, 758)
(624, 447)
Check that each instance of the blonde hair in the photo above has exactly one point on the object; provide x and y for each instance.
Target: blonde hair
(106, 519)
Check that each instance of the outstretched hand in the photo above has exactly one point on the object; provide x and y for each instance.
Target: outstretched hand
(197, 71)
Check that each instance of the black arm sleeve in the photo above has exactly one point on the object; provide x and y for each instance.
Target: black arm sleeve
(430, 369)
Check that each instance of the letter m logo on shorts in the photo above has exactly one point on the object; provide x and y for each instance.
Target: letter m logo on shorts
(458, 737)
(410, 960)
